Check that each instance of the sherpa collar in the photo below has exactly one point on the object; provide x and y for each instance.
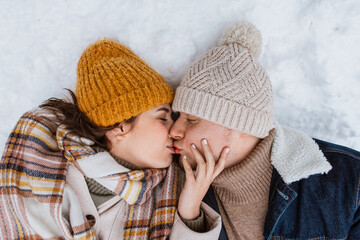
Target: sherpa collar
(296, 156)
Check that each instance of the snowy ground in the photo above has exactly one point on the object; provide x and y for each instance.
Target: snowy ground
(311, 51)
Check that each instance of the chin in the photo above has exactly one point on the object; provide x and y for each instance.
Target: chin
(164, 163)
(167, 162)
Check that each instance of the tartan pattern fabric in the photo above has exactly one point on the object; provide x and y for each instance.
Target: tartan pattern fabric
(144, 220)
(33, 170)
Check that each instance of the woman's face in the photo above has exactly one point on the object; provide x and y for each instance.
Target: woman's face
(145, 143)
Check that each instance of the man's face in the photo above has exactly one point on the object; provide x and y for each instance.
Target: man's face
(189, 129)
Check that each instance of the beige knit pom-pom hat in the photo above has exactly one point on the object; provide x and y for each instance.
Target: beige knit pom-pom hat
(228, 86)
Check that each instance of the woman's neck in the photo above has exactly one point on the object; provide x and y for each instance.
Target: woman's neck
(120, 161)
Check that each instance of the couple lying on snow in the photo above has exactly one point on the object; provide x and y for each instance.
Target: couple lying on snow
(100, 165)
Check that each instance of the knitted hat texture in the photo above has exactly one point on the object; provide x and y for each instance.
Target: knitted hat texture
(228, 86)
(113, 84)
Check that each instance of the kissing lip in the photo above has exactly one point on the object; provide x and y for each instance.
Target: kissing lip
(176, 149)
(171, 149)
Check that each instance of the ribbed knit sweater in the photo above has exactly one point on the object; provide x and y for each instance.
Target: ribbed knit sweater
(242, 192)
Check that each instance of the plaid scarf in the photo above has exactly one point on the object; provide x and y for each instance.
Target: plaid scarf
(34, 166)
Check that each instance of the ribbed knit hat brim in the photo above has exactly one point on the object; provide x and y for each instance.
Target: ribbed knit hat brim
(131, 104)
(222, 111)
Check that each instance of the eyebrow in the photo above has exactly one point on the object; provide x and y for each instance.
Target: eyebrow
(163, 109)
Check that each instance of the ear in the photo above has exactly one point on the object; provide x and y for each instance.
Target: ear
(119, 132)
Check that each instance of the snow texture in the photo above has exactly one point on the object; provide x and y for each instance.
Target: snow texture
(310, 51)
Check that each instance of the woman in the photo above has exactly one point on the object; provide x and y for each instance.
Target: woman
(99, 166)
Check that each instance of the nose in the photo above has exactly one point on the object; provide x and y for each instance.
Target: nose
(176, 132)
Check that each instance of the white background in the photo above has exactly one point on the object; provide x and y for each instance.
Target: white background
(310, 51)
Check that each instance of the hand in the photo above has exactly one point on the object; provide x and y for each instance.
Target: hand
(196, 185)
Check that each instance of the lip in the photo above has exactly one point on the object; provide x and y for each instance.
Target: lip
(177, 150)
(171, 149)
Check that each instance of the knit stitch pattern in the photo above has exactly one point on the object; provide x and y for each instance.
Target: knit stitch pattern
(114, 84)
(228, 86)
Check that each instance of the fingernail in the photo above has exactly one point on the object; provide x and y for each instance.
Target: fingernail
(193, 146)
(184, 156)
(227, 150)
(204, 141)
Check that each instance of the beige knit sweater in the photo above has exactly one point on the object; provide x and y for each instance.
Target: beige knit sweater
(242, 193)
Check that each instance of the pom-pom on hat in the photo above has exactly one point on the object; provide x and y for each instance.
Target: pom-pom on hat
(114, 84)
(245, 34)
(228, 86)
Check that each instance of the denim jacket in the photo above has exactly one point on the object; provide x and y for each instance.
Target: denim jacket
(314, 191)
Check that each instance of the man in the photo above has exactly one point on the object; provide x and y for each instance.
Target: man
(278, 183)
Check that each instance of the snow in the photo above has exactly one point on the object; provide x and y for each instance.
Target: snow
(310, 51)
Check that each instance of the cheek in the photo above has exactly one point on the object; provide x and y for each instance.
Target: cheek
(153, 136)
(149, 146)
(159, 133)
(192, 137)
(216, 141)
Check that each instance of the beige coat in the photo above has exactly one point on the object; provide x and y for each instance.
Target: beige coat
(109, 217)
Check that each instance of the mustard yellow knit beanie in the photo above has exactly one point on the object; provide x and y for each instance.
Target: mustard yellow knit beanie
(113, 84)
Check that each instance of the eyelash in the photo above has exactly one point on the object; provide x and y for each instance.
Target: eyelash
(190, 120)
(163, 119)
